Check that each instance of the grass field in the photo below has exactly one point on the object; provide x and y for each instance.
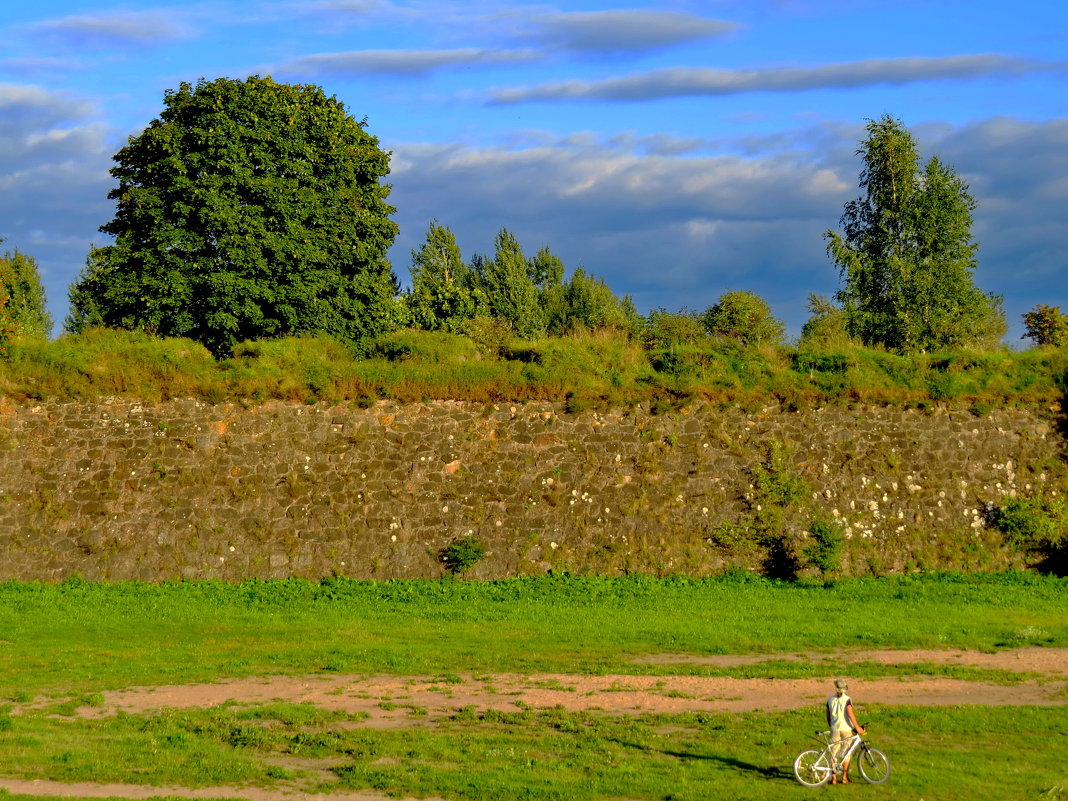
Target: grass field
(63, 646)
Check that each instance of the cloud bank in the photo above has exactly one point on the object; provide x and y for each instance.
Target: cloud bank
(697, 81)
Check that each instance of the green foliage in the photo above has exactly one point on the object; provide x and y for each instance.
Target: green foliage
(664, 329)
(490, 334)
(825, 551)
(413, 345)
(1047, 325)
(247, 210)
(777, 489)
(526, 297)
(486, 362)
(825, 327)
(462, 555)
(587, 302)
(906, 253)
(443, 294)
(1037, 523)
(8, 326)
(546, 270)
(745, 317)
(511, 294)
(102, 362)
(776, 483)
(86, 296)
(26, 306)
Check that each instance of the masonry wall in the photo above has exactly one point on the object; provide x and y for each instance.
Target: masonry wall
(118, 489)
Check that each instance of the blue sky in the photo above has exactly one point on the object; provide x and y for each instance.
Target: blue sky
(676, 149)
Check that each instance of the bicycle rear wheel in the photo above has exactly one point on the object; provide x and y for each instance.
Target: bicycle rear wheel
(874, 766)
(812, 768)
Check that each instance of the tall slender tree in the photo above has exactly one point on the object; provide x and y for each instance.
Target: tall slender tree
(443, 293)
(906, 254)
(511, 294)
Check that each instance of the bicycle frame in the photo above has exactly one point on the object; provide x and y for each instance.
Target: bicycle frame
(814, 768)
(830, 747)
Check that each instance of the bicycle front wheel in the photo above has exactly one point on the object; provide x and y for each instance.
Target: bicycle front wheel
(874, 766)
(812, 768)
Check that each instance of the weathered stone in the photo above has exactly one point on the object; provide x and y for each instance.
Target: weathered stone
(384, 489)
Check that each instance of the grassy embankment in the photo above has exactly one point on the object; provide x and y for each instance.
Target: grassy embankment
(585, 370)
(65, 644)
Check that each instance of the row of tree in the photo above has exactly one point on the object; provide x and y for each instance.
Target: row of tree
(253, 209)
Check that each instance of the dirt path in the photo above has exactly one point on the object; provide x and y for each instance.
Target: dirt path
(389, 701)
(136, 791)
(393, 700)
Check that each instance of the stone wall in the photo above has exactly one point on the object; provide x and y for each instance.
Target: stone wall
(118, 489)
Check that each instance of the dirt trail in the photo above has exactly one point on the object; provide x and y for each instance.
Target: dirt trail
(389, 701)
(137, 791)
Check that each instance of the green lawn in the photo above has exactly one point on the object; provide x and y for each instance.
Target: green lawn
(74, 640)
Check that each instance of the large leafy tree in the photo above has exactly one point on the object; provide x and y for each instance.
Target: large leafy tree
(906, 253)
(248, 209)
(26, 306)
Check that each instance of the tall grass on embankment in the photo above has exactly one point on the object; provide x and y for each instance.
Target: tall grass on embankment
(598, 369)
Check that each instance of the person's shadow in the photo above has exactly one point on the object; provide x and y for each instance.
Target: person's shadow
(772, 773)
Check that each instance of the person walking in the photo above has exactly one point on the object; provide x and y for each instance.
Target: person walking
(842, 722)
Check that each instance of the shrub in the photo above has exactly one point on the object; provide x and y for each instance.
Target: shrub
(745, 317)
(664, 329)
(825, 552)
(426, 346)
(462, 555)
(1038, 524)
(490, 334)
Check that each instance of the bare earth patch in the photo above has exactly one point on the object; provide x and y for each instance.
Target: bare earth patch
(399, 700)
(412, 701)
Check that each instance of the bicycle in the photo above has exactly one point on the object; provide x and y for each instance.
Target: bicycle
(814, 768)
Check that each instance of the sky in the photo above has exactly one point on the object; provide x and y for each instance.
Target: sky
(676, 149)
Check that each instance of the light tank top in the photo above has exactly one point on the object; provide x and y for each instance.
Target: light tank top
(836, 706)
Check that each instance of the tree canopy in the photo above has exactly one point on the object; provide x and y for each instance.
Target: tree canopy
(1047, 325)
(25, 304)
(744, 316)
(247, 210)
(906, 253)
(443, 294)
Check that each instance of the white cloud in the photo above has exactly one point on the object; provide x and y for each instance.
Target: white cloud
(401, 62)
(138, 28)
(697, 81)
(626, 30)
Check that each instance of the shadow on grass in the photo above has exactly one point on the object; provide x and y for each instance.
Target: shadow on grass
(772, 773)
